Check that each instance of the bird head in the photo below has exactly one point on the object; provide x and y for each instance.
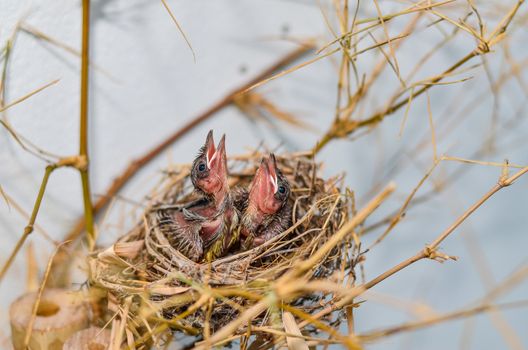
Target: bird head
(209, 169)
(270, 189)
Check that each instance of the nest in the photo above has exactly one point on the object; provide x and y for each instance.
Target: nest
(157, 282)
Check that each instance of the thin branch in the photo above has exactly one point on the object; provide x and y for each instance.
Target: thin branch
(180, 29)
(138, 163)
(288, 283)
(430, 251)
(29, 228)
(342, 129)
(83, 146)
(411, 326)
(4, 196)
(339, 130)
(25, 97)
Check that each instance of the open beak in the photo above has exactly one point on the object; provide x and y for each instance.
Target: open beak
(265, 186)
(272, 172)
(266, 179)
(216, 161)
(267, 176)
(210, 150)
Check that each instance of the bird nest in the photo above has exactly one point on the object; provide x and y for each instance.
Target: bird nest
(156, 283)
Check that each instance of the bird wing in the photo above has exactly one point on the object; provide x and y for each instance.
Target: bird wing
(190, 215)
(196, 203)
(200, 202)
(182, 234)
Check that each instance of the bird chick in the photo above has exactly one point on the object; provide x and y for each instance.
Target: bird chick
(209, 177)
(195, 225)
(218, 234)
(209, 171)
(266, 210)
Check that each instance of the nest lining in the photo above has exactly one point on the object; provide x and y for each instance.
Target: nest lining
(143, 263)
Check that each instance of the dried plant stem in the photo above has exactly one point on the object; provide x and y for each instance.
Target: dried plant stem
(25, 97)
(377, 20)
(289, 284)
(39, 296)
(361, 216)
(377, 117)
(430, 251)
(138, 163)
(76, 162)
(342, 128)
(34, 32)
(180, 29)
(79, 162)
(395, 219)
(41, 36)
(4, 197)
(32, 278)
(83, 146)
(29, 228)
(370, 336)
(6, 56)
(3, 78)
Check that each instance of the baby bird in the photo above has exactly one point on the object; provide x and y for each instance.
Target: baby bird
(266, 210)
(219, 234)
(209, 171)
(209, 177)
(197, 224)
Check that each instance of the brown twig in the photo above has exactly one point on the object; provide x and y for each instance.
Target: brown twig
(76, 162)
(370, 336)
(430, 251)
(25, 97)
(288, 284)
(180, 29)
(343, 128)
(79, 162)
(138, 163)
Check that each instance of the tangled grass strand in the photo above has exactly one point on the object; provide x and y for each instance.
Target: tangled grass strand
(170, 289)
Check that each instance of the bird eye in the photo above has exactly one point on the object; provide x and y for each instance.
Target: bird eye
(201, 167)
(282, 189)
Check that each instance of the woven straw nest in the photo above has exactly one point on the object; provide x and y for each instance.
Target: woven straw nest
(159, 282)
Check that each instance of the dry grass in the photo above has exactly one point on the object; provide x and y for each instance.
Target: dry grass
(310, 278)
(169, 289)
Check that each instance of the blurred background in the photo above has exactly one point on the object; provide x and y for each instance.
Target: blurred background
(146, 85)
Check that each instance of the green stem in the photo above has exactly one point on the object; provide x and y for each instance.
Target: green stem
(29, 228)
(83, 146)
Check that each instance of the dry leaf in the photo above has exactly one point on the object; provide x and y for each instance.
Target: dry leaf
(129, 249)
(291, 327)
